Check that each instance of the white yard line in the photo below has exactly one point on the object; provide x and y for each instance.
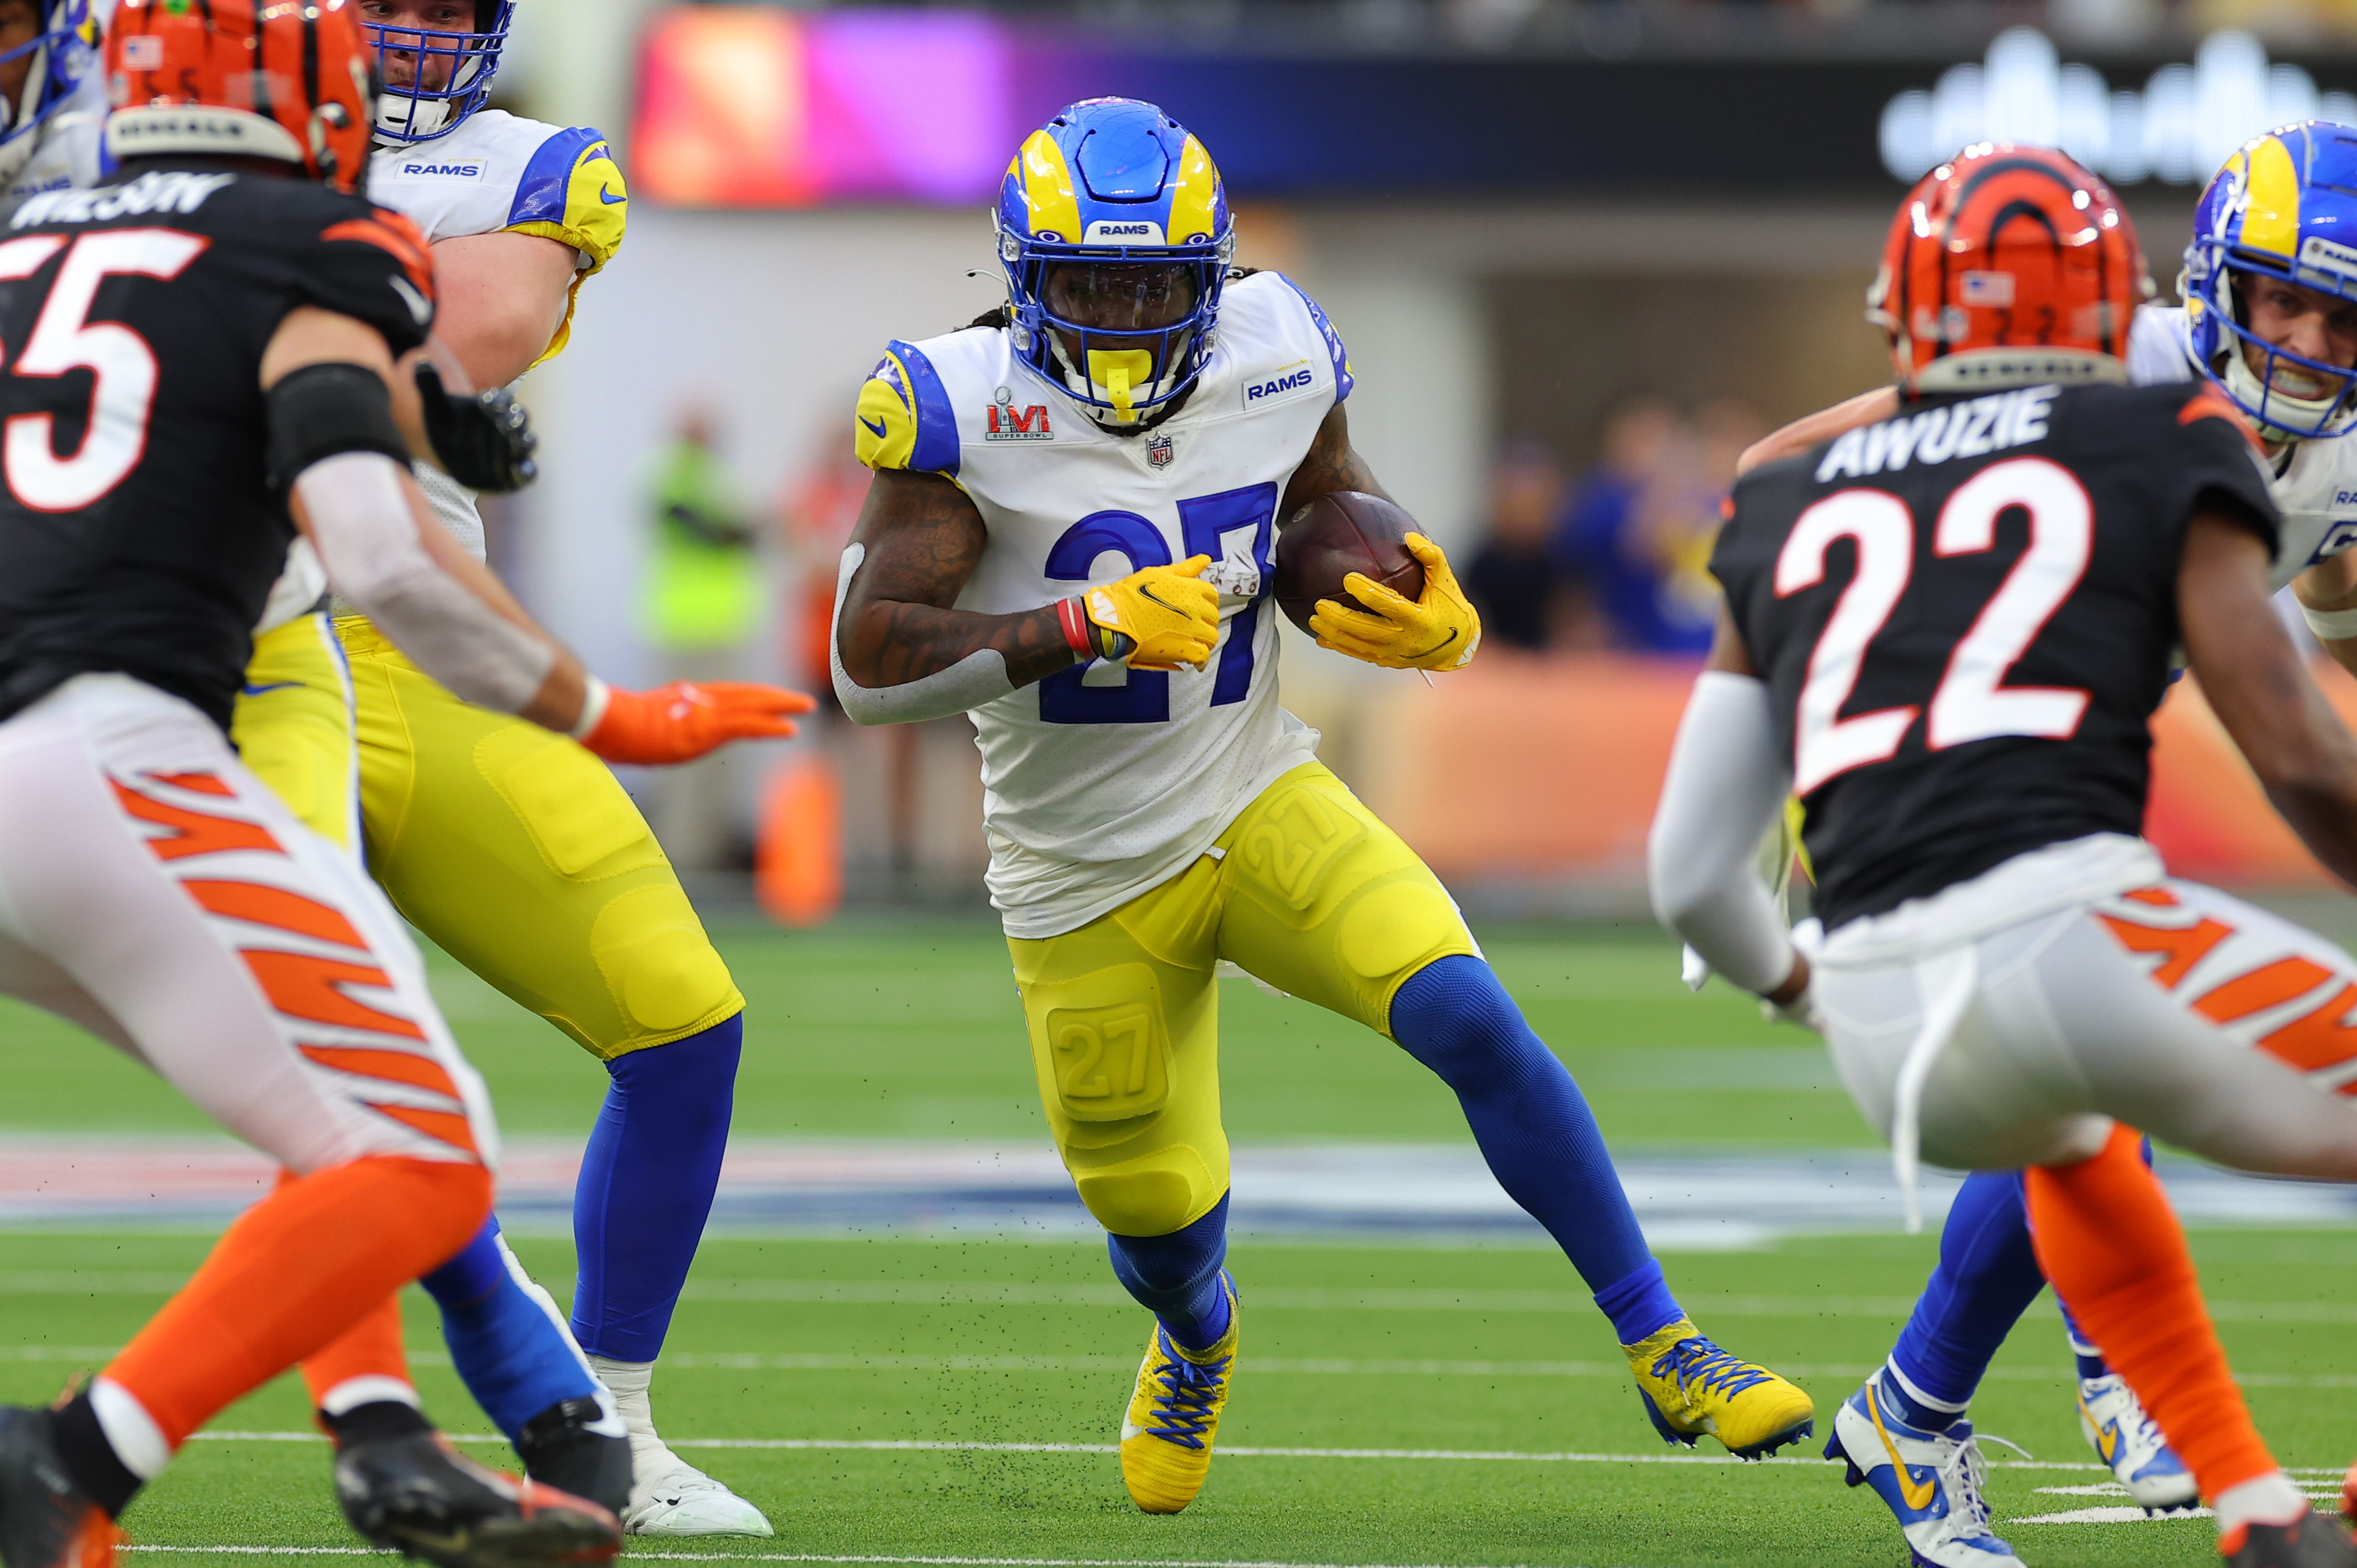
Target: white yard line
(819, 1557)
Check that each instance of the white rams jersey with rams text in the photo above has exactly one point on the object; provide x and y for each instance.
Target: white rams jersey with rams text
(2315, 483)
(500, 173)
(1101, 782)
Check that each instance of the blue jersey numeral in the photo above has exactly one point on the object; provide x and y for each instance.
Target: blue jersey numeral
(1205, 522)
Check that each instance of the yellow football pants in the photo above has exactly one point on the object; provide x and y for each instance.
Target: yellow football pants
(512, 848)
(293, 726)
(1308, 891)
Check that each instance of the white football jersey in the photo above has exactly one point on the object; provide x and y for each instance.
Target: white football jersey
(1101, 782)
(495, 172)
(67, 150)
(2315, 484)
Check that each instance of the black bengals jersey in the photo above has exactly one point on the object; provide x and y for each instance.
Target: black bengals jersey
(136, 531)
(1966, 615)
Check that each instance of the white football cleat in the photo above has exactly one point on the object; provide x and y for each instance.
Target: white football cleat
(668, 1495)
(1930, 1481)
(2124, 1437)
(680, 1499)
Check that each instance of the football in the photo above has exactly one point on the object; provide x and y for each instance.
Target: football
(1335, 535)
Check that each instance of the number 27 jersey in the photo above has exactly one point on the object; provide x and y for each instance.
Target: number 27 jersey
(1099, 783)
(1966, 615)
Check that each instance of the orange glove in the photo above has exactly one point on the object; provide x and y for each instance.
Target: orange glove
(681, 722)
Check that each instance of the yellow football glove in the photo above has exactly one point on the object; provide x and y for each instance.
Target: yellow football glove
(1439, 631)
(1159, 618)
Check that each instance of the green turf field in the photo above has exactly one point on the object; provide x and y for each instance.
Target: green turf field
(829, 1348)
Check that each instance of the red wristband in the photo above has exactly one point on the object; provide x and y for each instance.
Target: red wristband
(1078, 633)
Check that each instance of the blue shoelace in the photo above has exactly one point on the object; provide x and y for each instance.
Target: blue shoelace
(1183, 1409)
(1700, 1361)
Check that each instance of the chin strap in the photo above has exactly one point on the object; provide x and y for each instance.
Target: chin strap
(2252, 392)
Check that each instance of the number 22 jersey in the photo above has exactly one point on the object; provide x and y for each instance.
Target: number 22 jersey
(1099, 783)
(1966, 615)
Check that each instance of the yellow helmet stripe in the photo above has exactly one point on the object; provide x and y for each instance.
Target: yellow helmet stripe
(2271, 215)
(1048, 189)
(1193, 197)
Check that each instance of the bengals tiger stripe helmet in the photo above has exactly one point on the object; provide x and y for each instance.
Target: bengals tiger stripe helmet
(2009, 264)
(257, 79)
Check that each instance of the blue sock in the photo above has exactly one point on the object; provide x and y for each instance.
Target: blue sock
(1177, 1277)
(1986, 1278)
(1536, 1132)
(647, 1180)
(507, 1349)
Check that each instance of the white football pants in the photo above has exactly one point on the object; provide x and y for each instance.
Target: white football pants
(154, 892)
(2184, 1013)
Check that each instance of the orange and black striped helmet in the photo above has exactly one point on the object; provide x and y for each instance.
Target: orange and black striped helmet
(2005, 264)
(271, 79)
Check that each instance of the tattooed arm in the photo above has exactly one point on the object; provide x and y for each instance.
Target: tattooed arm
(1330, 465)
(900, 650)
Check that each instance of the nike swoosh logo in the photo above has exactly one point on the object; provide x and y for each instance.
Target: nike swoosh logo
(1152, 598)
(2108, 1442)
(875, 426)
(1918, 1494)
(254, 691)
(605, 194)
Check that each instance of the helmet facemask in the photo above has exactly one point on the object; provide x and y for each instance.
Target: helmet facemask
(1123, 335)
(449, 74)
(2278, 410)
(60, 57)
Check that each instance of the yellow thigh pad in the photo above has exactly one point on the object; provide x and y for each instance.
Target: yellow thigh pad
(293, 726)
(1323, 901)
(521, 856)
(1124, 1038)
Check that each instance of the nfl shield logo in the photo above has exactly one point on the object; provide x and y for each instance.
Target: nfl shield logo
(1157, 451)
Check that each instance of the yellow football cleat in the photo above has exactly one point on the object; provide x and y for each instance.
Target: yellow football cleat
(1690, 1386)
(1174, 1414)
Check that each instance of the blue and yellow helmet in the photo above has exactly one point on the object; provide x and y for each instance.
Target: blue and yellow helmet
(1115, 196)
(465, 62)
(2284, 206)
(62, 57)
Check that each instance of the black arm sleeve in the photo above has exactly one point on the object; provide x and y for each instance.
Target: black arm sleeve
(321, 411)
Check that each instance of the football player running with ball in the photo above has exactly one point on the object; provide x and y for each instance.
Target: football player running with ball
(2271, 321)
(1945, 632)
(1071, 536)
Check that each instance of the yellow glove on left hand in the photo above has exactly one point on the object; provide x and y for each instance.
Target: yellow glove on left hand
(1439, 631)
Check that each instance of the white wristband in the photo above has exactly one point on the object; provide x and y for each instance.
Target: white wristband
(2330, 626)
(594, 699)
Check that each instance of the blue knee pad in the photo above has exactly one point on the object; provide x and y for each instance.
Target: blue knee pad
(1536, 1132)
(510, 1354)
(646, 1186)
(1177, 1277)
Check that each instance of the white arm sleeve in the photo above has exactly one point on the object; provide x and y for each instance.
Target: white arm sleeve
(366, 535)
(980, 677)
(1724, 786)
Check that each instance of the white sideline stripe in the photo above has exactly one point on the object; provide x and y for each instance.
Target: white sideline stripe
(817, 1557)
(916, 1445)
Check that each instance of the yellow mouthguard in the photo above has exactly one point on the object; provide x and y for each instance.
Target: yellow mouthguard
(1117, 371)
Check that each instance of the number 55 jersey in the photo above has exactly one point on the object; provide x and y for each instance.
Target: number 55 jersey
(1966, 614)
(1099, 782)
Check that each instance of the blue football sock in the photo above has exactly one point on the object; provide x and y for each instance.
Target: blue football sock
(1536, 1132)
(1177, 1277)
(508, 1351)
(1986, 1278)
(647, 1180)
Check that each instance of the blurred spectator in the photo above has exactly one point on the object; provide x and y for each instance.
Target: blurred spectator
(701, 602)
(1527, 600)
(1639, 526)
(816, 514)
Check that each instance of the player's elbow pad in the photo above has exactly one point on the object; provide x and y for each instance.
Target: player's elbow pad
(324, 410)
(366, 535)
(980, 677)
(1724, 789)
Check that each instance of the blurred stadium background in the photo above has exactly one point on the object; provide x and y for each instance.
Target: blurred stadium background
(1582, 251)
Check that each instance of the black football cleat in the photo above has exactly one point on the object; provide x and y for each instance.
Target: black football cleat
(2311, 1540)
(422, 1498)
(45, 1522)
(561, 1447)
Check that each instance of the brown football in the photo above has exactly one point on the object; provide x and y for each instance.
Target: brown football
(1335, 535)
